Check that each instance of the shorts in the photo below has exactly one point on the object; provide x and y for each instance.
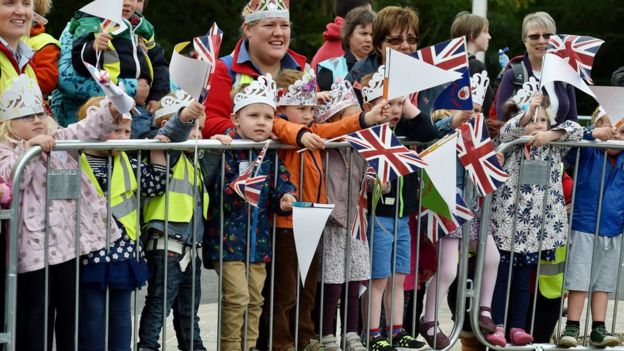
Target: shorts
(604, 271)
(382, 240)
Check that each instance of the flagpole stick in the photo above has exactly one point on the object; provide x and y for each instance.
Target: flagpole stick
(540, 86)
(386, 75)
(326, 141)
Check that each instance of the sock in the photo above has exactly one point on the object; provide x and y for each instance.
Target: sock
(573, 323)
(596, 324)
(374, 333)
(397, 329)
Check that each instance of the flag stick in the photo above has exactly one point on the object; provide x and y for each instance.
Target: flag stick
(326, 141)
(386, 74)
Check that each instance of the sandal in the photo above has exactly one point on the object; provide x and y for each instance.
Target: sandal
(441, 340)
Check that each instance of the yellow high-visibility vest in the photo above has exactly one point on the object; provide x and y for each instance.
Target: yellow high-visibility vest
(8, 72)
(40, 40)
(550, 279)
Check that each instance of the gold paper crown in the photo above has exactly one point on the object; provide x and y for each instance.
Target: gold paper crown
(300, 93)
(256, 10)
(22, 98)
(260, 91)
(479, 83)
(342, 96)
(374, 88)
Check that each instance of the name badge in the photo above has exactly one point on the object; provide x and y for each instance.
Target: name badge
(388, 201)
(535, 172)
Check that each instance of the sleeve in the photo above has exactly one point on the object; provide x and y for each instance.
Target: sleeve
(77, 55)
(6, 194)
(573, 131)
(419, 128)
(93, 127)
(45, 63)
(153, 179)
(505, 89)
(8, 159)
(444, 126)
(288, 132)
(218, 105)
(572, 112)
(175, 129)
(284, 186)
(512, 129)
(346, 125)
(160, 84)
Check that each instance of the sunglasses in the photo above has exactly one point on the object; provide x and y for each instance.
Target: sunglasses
(411, 40)
(534, 37)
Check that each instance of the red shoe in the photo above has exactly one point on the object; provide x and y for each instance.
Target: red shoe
(497, 338)
(519, 337)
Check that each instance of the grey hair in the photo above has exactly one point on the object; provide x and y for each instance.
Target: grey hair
(538, 19)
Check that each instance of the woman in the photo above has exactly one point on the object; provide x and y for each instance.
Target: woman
(15, 55)
(356, 37)
(537, 28)
(262, 49)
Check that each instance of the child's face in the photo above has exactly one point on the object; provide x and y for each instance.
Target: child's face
(140, 6)
(122, 132)
(28, 127)
(196, 132)
(254, 121)
(483, 40)
(396, 109)
(540, 124)
(303, 115)
(129, 6)
(15, 18)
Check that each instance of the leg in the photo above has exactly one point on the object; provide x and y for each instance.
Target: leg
(92, 313)
(446, 274)
(285, 261)
(307, 299)
(490, 269)
(376, 294)
(30, 307)
(500, 294)
(257, 276)
(599, 302)
(397, 306)
(353, 303)
(120, 321)
(333, 292)
(63, 299)
(188, 308)
(235, 301)
(576, 301)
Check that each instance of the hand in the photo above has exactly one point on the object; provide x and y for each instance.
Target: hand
(224, 139)
(142, 91)
(46, 142)
(544, 137)
(142, 45)
(536, 101)
(460, 118)
(286, 202)
(323, 97)
(193, 111)
(385, 188)
(378, 114)
(312, 141)
(500, 157)
(162, 138)
(409, 109)
(604, 133)
(101, 41)
(151, 106)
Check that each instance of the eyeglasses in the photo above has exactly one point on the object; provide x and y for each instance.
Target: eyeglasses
(31, 118)
(534, 37)
(411, 40)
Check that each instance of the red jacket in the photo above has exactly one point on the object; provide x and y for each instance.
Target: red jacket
(218, 106)
(45, 63)
(332, 47)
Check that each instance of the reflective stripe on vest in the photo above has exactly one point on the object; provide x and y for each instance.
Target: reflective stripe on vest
(42, 39)
(122, 187)
(8, 72)
(551, 274)
(180, 193)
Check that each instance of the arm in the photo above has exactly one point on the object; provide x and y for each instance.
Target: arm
(175, 129)
(346, 125)
(45, 63)
(284, 187)
(288, 133)
(511, 130)
(420, 128)
(8, 159)
(218, 105)
(505, 89)
(89, 55)
(93, 127)
(572, 112)
(572, 131)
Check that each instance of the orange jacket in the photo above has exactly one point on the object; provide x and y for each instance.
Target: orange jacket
(45, 62)
(313, 187)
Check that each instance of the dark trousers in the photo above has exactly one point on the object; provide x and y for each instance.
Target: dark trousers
(93, 321)
(31, 291)
(546, 317)
(519, 299)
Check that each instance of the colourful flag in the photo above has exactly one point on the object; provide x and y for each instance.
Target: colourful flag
(439, 179)
(579, 50)
(384, 153)
(438, 226)
(248, 185)
(477, 154)
(207, 48)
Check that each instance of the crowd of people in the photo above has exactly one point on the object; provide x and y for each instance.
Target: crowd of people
(264, 91)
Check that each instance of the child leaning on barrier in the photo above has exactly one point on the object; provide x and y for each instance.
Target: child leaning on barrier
(23, 124)
(121, 267)
(593, 259)
(254, 110)
(542, 162)
(339, 229)
(175, 221)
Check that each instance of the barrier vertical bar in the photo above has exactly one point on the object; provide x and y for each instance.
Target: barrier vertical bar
(220, 274)
(272, 282)
(77, 265)
(347, 264)
(137, 248)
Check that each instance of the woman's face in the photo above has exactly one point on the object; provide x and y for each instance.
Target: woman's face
(268, 39)
(15, 18)
(361, 41)
(483, 40)
(403, 40)
(536, 41)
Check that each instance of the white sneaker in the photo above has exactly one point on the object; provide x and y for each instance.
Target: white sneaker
(329, 341)
(354, 342)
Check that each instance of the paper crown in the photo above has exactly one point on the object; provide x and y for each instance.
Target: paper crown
(523, 95)
(260, 91)
(479, 83)
(601, 113)
(95, 107)
(342, 96)
(256, 10)
(22, 98)
(172, 103)
(374, 88)
(300, 93)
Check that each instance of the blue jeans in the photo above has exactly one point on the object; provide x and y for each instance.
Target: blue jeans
(92, 321)
(179, 290)
(519, 299)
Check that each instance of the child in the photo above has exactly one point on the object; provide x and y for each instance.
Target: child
(405, 119)
(254, 109)
(180, 226)
(121, 267)
(20, 128)
(296, 102)
(594, 255)
(342, 102)
(449, 245)
(525, 240)
(47, 49)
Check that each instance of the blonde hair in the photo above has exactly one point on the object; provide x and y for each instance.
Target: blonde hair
(440, 114)
(595, 115)
(84, 109)
(288, 77)
(6, 131)
(538, 19)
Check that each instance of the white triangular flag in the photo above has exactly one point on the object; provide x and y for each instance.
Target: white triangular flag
(107, 9)
(188, 73)
(556, 69)
(612, 101)
(308, 223)
(122, 101)
(406, 75)
(442, 170)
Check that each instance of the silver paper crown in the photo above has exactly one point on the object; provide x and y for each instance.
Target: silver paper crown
(173, 103)
(300, 93)
(22, 98)
(342, 96)
(260, 91)
(256, 10)
(523, 96)
(374, 88)
(479, 83)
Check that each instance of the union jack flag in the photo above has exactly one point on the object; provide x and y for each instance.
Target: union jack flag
(384, 153)
(476, 153)
(249, 185)
(450, 55)
(207, 48)
(360, 224)
(438, 226)
(578, 49)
